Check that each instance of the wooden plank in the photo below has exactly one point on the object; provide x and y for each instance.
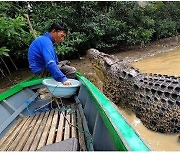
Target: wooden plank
(46, 130)
(81, 132)
(20, 134)
(67, 127)
(60, 127)
(11, 130)
(53, 129)
(39, 132)
(11, 138)
(27, 134)
(73, 122)
(33, 133)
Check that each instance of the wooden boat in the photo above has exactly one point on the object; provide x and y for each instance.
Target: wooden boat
(86, 122)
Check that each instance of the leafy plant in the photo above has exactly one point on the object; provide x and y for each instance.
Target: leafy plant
(13, 34)
(4, 51)
(99, 24)
(70, 44)
(165, 28)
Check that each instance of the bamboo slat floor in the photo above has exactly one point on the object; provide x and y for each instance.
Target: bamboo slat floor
(33, 132)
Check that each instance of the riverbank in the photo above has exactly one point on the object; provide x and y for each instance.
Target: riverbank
(131, 55)
(84, 66)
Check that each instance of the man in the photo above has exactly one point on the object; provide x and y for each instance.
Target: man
(42, 56)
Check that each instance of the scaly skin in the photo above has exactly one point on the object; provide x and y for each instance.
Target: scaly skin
(154, 98)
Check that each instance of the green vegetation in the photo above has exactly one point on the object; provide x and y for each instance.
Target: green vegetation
(104, 25)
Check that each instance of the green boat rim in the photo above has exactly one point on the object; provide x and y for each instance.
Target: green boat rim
(18, 87)
(117, 125)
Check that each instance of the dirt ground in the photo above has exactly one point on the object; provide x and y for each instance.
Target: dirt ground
(84, 66)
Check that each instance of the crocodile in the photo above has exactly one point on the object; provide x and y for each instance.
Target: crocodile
(154, 98)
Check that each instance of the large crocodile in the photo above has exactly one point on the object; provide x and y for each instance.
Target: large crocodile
(154, 98)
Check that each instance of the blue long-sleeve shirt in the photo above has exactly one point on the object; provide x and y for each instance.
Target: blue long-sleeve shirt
(41, 55)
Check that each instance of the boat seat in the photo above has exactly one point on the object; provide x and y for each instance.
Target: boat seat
(66, 145)
(34, 132)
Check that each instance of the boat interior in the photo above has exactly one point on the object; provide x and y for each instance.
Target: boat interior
(33, 122)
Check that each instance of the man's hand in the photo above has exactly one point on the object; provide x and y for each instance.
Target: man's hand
(67, 83)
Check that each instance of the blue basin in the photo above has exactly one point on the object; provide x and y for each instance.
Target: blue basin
(57, 89)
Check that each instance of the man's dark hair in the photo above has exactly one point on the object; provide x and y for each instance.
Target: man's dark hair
(58, 27)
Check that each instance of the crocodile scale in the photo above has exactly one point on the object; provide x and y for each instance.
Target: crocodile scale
(154, 98)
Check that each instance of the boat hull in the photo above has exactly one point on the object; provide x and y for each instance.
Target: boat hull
(108, 130)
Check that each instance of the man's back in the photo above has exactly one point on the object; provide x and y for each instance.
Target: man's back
(39, 49)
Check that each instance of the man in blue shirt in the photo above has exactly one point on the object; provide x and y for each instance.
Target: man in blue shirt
(42, 56)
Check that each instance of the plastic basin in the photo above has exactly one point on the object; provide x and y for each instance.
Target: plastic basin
(57, 89)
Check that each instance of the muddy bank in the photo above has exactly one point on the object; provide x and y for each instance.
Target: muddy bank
(137, 53)
(16, 77)
(83, 64)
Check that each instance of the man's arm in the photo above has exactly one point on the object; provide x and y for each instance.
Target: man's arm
(51, 65)
(56, 72)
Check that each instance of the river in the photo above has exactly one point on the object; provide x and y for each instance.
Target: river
(165, 63)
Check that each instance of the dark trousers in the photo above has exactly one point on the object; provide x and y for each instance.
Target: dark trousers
(65, 68)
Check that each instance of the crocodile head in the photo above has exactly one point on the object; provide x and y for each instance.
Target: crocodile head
(101, 62)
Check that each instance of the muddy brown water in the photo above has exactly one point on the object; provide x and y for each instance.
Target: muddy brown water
(156, 141)
(165, 63)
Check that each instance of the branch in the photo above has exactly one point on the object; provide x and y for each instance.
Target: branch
(5, 65)
(30, 25)
(13, 63)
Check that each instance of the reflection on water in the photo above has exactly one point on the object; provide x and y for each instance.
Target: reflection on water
(165, 63)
